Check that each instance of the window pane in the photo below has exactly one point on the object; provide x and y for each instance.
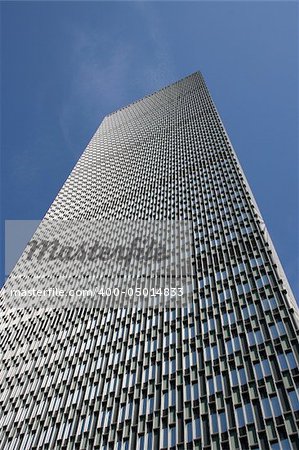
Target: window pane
(223, 422)
(189, 431)
(197, 428)
(266, 407)
(294, 400)
(214, 423)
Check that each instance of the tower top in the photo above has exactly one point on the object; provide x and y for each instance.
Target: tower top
(194, 74)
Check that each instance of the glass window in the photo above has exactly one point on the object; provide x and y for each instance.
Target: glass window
(232, 318)
(193, 358)
(151, 405)
(291, 360)
(211, 389)
(188, 391)
(197, 428)
(263, 281)
(239, 289)
(224, 318)
(248, 412)
(165, 436)
(130, 409)
(211, 324)
(245, 313)
(272, 303)
(281, 327)
(165, 367)
(207, 353)
(172, 436)
(274, 331)
(218, 383)
(259, 337)
(266, 367)
(275, 446)
(214, 423)
(294, 400)
(187, 361)
(172, 337)
(141, 443)
(234, 377)
(215, 352)
(275, 406)
(252, 310)
(189, 431)
(246, 287)
(144, 405)
(229, 346)
(173, 366)
(150, 440)
(195, 391)
(236, 343)
(285, 444)
(240, 417)
(172, 396)
(250, 337)
(265, 304)
(152, 372)
(186, 330)
(223, 422)
(242, 376)
(266, 407)
(282, 361)
(256, 262)
(132, 379)
(165, 400)
(146, 371)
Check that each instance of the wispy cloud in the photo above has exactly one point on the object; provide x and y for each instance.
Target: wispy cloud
(97, 77)
(159, 70)
(105, 64)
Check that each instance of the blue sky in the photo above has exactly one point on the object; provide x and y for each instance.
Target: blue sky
(65, 65)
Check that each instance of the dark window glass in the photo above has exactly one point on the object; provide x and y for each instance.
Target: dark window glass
(211, 389)
(172, 436)
(195, 391)
(214, 423)
(165, 437)
(150, 440)
(188, 392)
(197, 428)
(189, 431)
(141, 443)
(234, 377)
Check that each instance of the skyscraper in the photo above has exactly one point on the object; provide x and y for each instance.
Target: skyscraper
(193, 345)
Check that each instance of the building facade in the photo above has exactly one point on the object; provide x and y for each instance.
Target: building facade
(216, 370)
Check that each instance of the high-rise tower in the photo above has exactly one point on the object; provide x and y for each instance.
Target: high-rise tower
(195, 347)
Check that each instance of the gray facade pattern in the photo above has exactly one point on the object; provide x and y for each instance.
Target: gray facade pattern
(221, 371)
